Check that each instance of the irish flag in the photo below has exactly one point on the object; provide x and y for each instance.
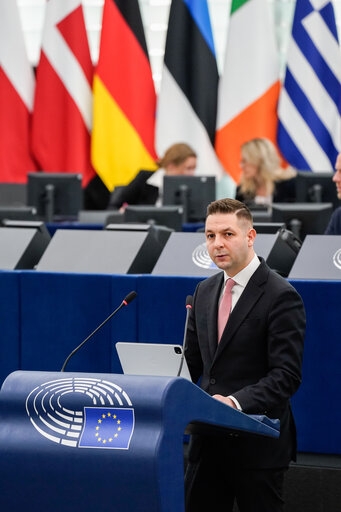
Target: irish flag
(249, 88)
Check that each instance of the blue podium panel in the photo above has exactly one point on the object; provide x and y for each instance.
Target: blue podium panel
(59, 311)
(10, 330)
(162, 307)
(101, 442)
(125, 325)
(316, 403)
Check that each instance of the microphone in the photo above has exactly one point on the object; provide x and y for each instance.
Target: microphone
(189, 299)
(131, 296)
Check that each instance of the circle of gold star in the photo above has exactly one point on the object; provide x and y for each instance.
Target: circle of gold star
(102, 419)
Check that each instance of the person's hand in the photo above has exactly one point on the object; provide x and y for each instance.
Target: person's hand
(226, 400)
(123, 207)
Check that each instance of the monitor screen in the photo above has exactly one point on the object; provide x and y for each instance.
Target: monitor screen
(33, 224)
(303, 218)
(56, 196)
(170, 216)
(13, 194)
(268, 227)
(194, 193)
(316, 187)
(261, 213)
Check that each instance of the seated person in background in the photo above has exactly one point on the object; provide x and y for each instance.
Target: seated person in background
(334, 226)
(263, 181)
(146, 187)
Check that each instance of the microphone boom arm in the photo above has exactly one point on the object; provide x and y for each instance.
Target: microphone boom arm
(188, 308)
(131, 296)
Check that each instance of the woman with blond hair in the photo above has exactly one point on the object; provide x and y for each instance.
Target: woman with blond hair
(263, 181)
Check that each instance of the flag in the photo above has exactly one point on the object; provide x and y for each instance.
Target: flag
(62, 117)
(187, 102)
(310, 101)
(124, 97)
(16, 98)
(249, 88)
(107, 427)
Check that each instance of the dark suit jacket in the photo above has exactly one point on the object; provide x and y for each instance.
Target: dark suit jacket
(334, 226)
(258, 359)
(138, 191)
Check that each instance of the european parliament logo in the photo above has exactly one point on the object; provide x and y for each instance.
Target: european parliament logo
(201, 258)
(82, 413)
(337, 259)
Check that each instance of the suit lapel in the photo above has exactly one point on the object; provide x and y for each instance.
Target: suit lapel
(253, 291)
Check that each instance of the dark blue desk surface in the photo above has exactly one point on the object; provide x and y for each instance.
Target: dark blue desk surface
(53, 226)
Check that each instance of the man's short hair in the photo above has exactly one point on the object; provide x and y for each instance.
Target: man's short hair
(230, 206)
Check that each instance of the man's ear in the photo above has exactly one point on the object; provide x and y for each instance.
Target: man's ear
(251, 237)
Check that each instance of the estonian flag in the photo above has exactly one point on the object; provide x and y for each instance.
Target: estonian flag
(187, 102)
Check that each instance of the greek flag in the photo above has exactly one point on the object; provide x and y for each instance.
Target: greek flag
(310, 101)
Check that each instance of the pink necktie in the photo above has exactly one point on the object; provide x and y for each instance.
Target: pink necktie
(225, 307)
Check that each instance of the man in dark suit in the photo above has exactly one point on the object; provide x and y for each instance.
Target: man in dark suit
(334, 225)
(255, 367)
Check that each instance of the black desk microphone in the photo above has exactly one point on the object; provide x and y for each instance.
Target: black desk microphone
(131, 296)
(188, 308)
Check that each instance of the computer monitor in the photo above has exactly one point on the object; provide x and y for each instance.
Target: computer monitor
(18, 213)
(13, 194)
(170, 216)
(268, 227)
(316, 187)
(22, 244)
(284, 252)
(261, 213)
(25, 224)
(56, 196)
(193, 193)
(303, 218)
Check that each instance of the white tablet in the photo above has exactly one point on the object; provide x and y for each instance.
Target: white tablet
(151, 359)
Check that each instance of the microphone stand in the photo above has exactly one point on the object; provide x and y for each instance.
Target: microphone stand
(131, 296)
(188, 308)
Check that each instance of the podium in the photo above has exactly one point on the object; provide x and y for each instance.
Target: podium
(80, 441)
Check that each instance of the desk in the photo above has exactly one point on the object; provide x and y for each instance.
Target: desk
(45, 315)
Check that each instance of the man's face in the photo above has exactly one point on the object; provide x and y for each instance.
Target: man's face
(337, 176)
(229, 241)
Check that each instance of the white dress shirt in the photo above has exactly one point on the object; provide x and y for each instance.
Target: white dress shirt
(156, 179)
(241, 279)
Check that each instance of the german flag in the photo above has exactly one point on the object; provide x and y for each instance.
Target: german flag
(124, 97)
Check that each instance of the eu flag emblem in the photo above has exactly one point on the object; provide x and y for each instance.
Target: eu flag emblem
(106, 427)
